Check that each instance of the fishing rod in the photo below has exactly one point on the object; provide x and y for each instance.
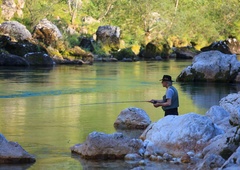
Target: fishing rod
(102, 103)
(119, 102)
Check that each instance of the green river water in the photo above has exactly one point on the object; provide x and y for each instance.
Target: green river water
(48, 110)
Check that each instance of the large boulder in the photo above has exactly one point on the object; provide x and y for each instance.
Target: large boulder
(22, 48)
(224, 146)
(12, 60)
(23, 53)
(219, 116)
(15, 30)
(39, 59)
(231, 104)
(220, 145)
(178, 135)
(228, 46)
(109, 36)
(107, 146)
(212, 66)
(48, 33)
(185, 52)
(132, 118)
(12, 152)
(219, 46)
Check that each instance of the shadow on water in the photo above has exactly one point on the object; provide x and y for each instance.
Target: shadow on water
(15, 166)
(205, 95)
(25, 75)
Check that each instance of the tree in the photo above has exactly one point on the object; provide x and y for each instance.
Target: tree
(74, 6)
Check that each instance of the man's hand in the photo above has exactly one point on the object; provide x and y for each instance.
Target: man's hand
(153, 101)
(157, 104)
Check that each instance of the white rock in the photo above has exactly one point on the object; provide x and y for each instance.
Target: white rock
(178, 135)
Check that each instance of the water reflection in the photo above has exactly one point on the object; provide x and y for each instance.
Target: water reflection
(205, 95)
(15, 166)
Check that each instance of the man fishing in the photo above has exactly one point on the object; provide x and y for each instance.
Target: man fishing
(170, 102)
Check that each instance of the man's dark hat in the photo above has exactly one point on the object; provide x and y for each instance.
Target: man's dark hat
(166, 78)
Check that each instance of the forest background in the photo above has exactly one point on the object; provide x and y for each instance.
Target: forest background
(177, 22)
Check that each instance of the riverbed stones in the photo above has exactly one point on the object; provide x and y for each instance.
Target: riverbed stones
(107, 146)
(212, 161)
(211, 66)
(12, 153)
(132, 118)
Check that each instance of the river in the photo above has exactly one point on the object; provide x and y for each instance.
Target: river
(48, 110)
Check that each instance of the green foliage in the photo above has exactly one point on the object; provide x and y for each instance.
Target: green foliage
(100, 50)
(141, 21)
(72, 40)
(124, 53)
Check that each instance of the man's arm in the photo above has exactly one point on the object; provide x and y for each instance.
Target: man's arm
(167, 103)
(154, 101)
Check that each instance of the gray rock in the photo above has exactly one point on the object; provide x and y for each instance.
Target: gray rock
(109, 36)
(39, 59)
(107, 146)
(12, 153)
(212, 66)
(12, 60)
(219, 116)
(132, 118)
(178, 135)
(47, 32)
(211, 162)
(15, 30)
(231, 103)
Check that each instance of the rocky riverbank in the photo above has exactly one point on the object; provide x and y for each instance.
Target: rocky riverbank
(202, 142)
(192, 141)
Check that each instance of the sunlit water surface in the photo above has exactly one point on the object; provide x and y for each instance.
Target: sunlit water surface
(48, 110)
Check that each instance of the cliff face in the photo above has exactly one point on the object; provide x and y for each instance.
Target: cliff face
(10, 8)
